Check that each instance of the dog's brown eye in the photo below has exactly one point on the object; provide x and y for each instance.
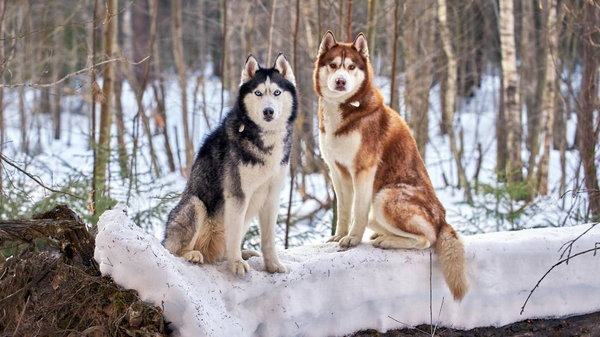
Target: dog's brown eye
(332, 65)
(351, 67)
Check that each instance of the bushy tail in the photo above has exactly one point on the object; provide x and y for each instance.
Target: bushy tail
(451, 253)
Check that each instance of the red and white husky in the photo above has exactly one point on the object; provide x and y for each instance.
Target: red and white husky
(378, 175)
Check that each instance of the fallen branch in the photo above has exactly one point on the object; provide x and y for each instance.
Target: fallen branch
(66, 77)
(595, 250)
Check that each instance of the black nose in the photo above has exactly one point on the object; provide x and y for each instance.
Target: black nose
(268, 113)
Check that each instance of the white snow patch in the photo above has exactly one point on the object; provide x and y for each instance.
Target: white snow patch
(331, 293)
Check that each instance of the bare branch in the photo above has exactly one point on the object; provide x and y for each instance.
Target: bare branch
(36, 179)
(595, 250)
(66, 77)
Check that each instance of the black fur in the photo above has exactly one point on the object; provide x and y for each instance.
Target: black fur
(225, 147)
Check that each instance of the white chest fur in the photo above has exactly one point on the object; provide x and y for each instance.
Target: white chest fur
(253, 176)
(343, 148)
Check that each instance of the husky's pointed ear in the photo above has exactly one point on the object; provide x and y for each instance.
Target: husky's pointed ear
(360, 44)
(327, 42)
(250, 69)
(285, 69)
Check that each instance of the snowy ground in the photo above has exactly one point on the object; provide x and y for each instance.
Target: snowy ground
(331, 293)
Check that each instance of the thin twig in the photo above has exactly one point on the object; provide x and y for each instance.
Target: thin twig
(21, 317)
(430, 295)
(79, 72)
(567, 247)
(408, 326)
(438, 319)
(37, 180)
(595, 250)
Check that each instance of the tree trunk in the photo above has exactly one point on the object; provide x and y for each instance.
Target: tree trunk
(588, 138)
(530, 71)
(223, 71)
(271, 24)
(512, 111)
(103, 156)
(159, 90)
(393, 85)
(349, 22)
(341, 19)
(181, 72)
(120, 123)
(418, 41)
(551, 32)
(371, 24)
(448, 102)
(2, 64)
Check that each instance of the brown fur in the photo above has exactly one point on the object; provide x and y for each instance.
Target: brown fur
(211, 241)
(387, 143)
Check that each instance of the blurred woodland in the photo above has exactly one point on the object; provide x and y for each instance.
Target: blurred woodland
(123, 92)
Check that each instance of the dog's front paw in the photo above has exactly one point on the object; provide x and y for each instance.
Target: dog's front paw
(349, 241)
(194, 256)
(275, 267)
(248, 253)
(239, 267)
(336, 238)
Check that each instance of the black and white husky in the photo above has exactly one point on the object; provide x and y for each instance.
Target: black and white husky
(238, 174)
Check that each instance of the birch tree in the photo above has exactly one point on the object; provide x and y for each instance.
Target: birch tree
(549, 88)
(448, 102)
(511, 108)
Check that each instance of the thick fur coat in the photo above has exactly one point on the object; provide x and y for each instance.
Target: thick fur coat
(378, 175)
(238, 174)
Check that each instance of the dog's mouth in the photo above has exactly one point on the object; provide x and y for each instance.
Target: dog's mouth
(340, 87)
(268, 118)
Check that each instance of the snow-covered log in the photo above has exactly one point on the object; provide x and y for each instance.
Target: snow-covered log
(330, 293)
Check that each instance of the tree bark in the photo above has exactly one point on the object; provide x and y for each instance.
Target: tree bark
(181, 72)
(120, 123)
(271, 24)
(418, 41)
(103, 156)
(588, 138)
(551, 32)
(371, 24)
(393, 85)
(530, 70)
(2, 65)
(349, 22)
(510, 92)
(448, 102)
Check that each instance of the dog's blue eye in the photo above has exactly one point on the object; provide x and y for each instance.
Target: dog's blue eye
(277, 93)
(258, 93)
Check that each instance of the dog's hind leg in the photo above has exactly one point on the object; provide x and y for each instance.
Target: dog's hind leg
(184, 228)
(403, 224)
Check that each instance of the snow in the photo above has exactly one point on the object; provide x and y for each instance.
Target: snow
(332, 293)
